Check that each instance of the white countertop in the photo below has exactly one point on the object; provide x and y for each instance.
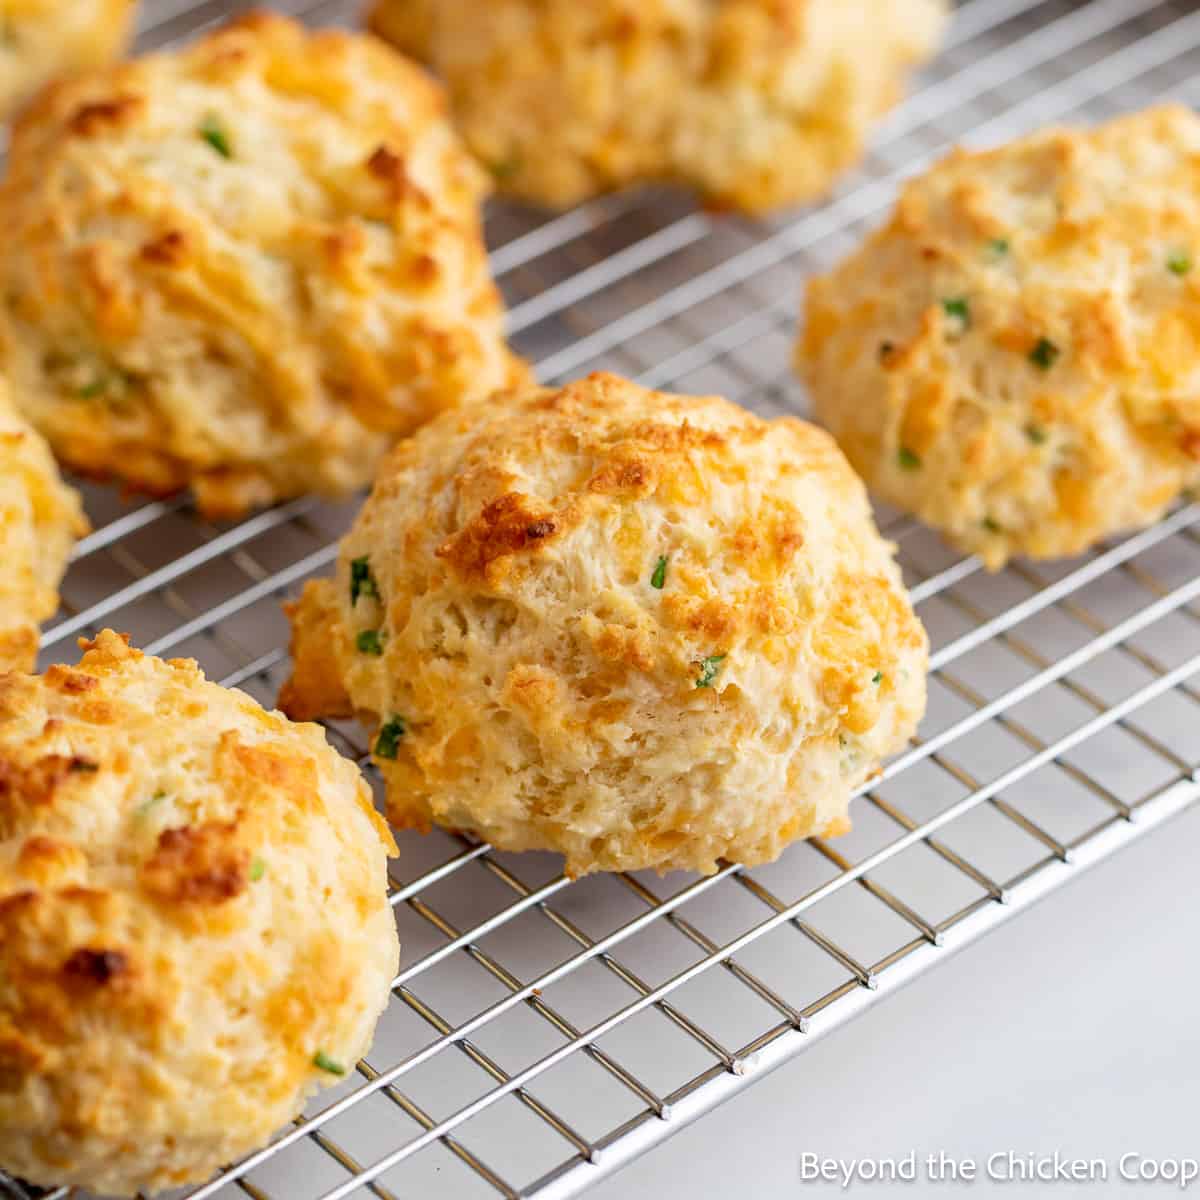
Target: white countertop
(1073, 1029)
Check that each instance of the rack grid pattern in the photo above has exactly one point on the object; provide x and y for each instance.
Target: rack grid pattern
(543, 1032)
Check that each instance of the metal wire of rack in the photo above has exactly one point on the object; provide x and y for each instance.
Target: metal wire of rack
(544, 1032)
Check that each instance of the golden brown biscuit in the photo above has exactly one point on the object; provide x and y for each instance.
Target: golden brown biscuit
(244, 266)
(40, 518)
(195, 933)
(639, 629)
(756, 103)
(1015, 356)
(40, 39)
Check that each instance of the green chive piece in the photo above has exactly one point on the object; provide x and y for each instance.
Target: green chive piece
(505, 168)
(323, 1062)
(1179, 263)
(991, 526)
(908, 460)
(387, 741)
(114, 383)
(258, 869)
(998, 247)
(1044, 354)
(370, 641)
(958, 309)
(362, 582)
(1036, 434)
(147, 806)
(214, 134)
(708, 669)
(660, 573)
(877, 677)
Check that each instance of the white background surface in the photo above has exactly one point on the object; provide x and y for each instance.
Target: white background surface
(1076, 1027)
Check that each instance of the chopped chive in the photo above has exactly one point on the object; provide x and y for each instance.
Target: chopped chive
(708, 669)
(1179, 263)
(660, 573)
(505, 168)
(370, 641)
(877, 677)
(115, 382)
(908, 460)
(1036, 434)
(323, 1062)
(362, 582)
(958, 309)
(998, 247)
(214, 134)
(258, 869)
(387, 741)
(992, 526)
(1044, 354)
(147, 806)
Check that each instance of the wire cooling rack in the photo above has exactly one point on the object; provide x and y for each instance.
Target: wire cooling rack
(542, 1032)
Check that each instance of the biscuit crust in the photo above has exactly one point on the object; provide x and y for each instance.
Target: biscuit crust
(46, 38)
(40, 518)
(638, 629)
(756, 103)
(1015, 356)
(193, 907)
(245, 266)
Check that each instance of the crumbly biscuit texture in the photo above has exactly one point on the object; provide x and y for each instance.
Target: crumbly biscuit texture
(1015, 356)
(756, 103)
(639, 629)
(245, 266)
(42, 39)
(40, 518)
(194, 926)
